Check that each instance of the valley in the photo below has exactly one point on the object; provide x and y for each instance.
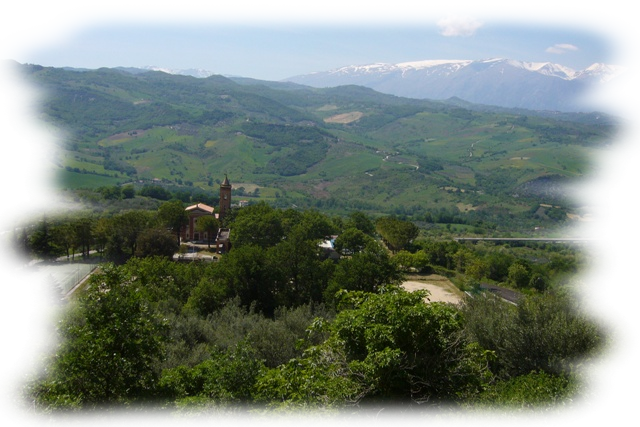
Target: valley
(337, 149)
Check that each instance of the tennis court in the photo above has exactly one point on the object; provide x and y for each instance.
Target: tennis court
(67, 275)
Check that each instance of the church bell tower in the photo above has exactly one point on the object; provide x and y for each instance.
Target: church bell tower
(225, 197)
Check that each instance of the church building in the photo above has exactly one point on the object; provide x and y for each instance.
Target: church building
(190, 232)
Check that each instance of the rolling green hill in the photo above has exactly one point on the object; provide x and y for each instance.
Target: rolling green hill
(337, 149)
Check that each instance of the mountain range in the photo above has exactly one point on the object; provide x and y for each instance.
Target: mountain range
(337, 149)
(499, 82)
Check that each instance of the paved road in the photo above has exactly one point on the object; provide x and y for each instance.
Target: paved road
(504, 293)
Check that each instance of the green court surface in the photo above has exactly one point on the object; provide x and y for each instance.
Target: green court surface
(68, 275)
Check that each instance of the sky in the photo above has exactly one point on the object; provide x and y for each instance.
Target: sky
(277, 39)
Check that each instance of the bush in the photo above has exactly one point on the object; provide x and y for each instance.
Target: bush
(544, 333)
(604, 394)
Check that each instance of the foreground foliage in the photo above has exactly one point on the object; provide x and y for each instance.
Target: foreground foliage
(381, 349)
(606, 393)
(386, 347)
(278, 324)
(111, 340)
(544, 333)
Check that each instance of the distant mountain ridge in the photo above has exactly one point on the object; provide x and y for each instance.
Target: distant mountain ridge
(193, 72)
(500, 82)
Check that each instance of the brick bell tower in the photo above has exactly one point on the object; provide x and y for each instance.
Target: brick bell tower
(225, 197)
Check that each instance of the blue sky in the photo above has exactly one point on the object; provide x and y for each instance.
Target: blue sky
(277, 39)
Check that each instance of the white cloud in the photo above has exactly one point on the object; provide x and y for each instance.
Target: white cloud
(458, 26)
(15, 29)
(561, 48)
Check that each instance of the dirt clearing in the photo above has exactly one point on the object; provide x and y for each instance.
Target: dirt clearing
(439, 287)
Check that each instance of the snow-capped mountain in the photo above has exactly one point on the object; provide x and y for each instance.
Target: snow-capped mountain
(500, 82)
(599, 72)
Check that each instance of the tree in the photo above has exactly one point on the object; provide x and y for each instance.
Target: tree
(116, 247)
(83, 232)
(246, 272)
(519, 275)
(302, 276)
(367, 271)
(440, 252)
(539, 282)
(111, 193)
(543, 333)
(173, 215)
(499, 263)
(165, 282)
(64, 237)
(156, 192)
(129, 225)
(100, 230)
(314, 226)
(208, 224)
(226, 377)
(50, 291)
(362, 222)
(41, 241)
(408, 349)
(119, 234)
(351, 241)
(259, 225)
(477, 269)
(396, 233)
(406, 261)
(156, 242)
(110, 342)
(128, 191)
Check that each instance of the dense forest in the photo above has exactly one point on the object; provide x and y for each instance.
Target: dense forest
(280, 324)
